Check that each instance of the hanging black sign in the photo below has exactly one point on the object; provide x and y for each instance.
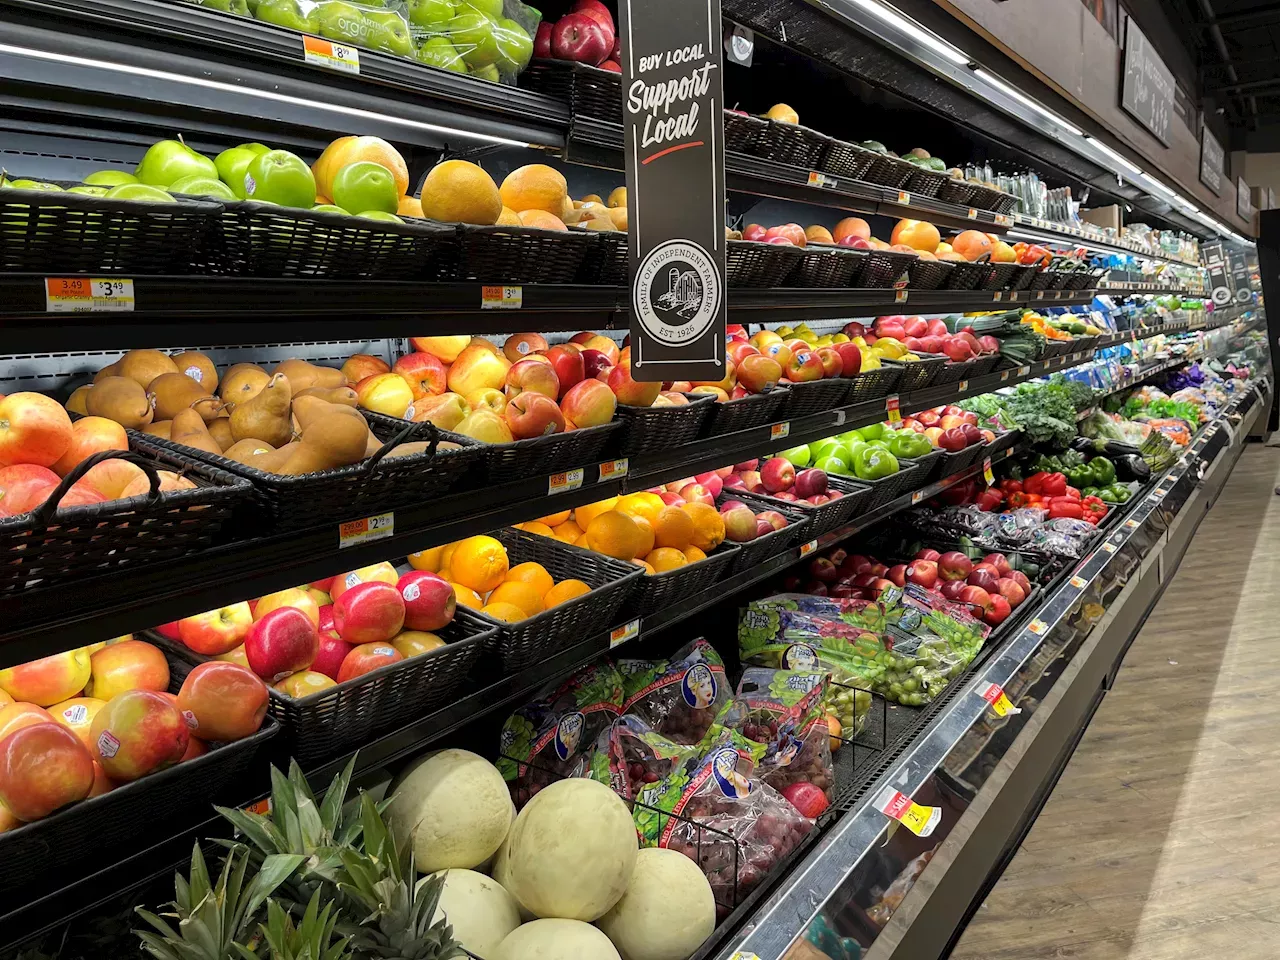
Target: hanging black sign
(672, 113)
(1240, 275)
(1147, 86)
(1211, 158)
(1215, 262)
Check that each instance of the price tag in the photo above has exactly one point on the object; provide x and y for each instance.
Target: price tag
(997, 296)
(973, 213)
(743, 955)
(904, 197)
(1039, 294)
(963, 386)
(901, 296)
(994, 695)
(840, 418)
(987, 473)
(1023, 371)
(613, 469)
(779, 431)
(1160, 491)
(331, 56)
(82, 295)
(1013, 296)
(1109, 547)
(1038, 627)
(1079, 582)
(808, 548)
(892, 408)
(355, 532)
(895, 805)
(916, 496)
(1004, 220)
(620, 635)
(501, 298)
(820, 180)
(1004, 375)
(562, 482)
(1131, 524)
(262, 807)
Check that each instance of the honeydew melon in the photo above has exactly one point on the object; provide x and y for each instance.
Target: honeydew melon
(480, 911)
(556, 940)
(667, 911)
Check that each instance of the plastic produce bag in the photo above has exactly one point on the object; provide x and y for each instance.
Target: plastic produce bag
(554, 736)
(490, 39)
(629, 757)
(679, 698)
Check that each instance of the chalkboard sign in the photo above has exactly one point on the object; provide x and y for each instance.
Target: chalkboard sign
(1147, 87)
(1244, 205)
(1211, 157)
(1215, 262)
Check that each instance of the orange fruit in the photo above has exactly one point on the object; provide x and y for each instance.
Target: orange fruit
(708, 525)
(584, 514)
(615, 535)
(446, 554)
(458, 191)
(648, 567)
(582, 542)
(555, 519)
(673, 528)
(481, 563)
(508, 218)
(467, 597)
(533, 526)
(647, 505)
(535, 186)
(506, 612)
(693, 554)
(563, 591)
(519, 594)
(534, 574)
(666, 558)
(428, 559)
(919, 234)
(568, 531)
(542, 220)
(646, 533)
(410, 207)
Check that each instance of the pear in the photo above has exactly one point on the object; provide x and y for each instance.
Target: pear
(121, 399)
(265, 416)
(242, 382)
(303, 375)
(199, 368)
(171, 393)
(76, 402)
(144, 366)
(220, 430)
(188, 428)
(333, 439)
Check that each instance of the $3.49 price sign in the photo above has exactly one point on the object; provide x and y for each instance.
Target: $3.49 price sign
(83, 295)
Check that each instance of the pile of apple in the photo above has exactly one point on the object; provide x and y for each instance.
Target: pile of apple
(81, 723)
(303, 640)
(919, 335)
(777, 477)
(765, 359)
(586, 34)
(742, 523)
(948, 428)
(39, 445)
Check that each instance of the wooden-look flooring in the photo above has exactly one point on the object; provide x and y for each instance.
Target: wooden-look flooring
(1162, 839)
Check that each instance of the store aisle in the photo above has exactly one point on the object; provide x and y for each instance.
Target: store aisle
(1162, 839)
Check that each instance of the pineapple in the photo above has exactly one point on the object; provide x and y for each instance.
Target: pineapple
(311, 939)
(213, 917)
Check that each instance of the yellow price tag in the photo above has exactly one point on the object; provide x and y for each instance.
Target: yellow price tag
(892, 408)
(614, 469)
(820, 180)
(620, 635)
(1079, 582)
(743, 955)
(994, 694)
(963, 386)
(569, 480)
(82, 295)
(780, 431)
(920, 820)
(987, 473)
(973, 213)
(355, 532)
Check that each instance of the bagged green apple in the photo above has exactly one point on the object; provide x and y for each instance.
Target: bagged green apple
(369, 24)
(490, 39)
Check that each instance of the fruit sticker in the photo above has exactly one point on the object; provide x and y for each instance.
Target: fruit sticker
(190, 718)
(699, 686)
(569, 734)
(724, 767)
(76, 714)
(108, 745)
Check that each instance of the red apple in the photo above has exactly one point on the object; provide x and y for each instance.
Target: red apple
(141, 731)
(753, 231)
(810, 483)
(976, 596)
(217, 631)
(951, 589)
(425, 374)
(804, 366)
(1000, 562)
(593, 361)
(954, 565)
(952, 440)
(518, 346)
(530, 375)
(542, 41)
(223, 701)
(855, 243)
(832, 364)
(697, 493)
(598, 12)
(739, 350)
(1020, 578)
(589, 404)
(579, 38)
(713, 483)
(777, 474)
(333, 650)
(630, 392)
(983, 575)
(25, 486)
(938, 328)
(369, 613)
(820, 568)
(758, 373)
(367, 657)
(612, 65)
(774, 518)
(533, 415)
(283, 642)
(923, 572)
(43, 766)
(33, 429)
(998, 610)
(746, 465)
(850, 359)
(753, 481)
(1011, 591)
(898, 574)
(429, 600)
(791, 231)
(568, 365)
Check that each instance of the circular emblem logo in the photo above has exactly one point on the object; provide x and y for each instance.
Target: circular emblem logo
(569, 734)
(724, 767)
(799, 656)
(699, 686)
(677, 292)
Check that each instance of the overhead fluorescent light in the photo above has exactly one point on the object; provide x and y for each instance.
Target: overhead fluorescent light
(1113, 154)
(1026, 101)
(915, 31)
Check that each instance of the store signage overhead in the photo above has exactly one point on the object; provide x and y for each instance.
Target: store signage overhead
(1215, 261)
(1244, 205)
(1211, 161)
(1240, 275)
(672, 115)
(1147, 87)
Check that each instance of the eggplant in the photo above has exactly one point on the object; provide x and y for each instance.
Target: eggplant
(1132, 467)
(1108, 448)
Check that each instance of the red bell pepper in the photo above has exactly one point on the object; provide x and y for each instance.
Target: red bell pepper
(1072, 492)
(1061, 508)
(1053, 485)
(1009, 485)
(1034, 483)
(1019, 500)
(1035, 255)
(1094, 509)
(1034, 499)
(990, 500)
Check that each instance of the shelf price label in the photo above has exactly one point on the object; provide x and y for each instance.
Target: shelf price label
(973, 213)
(780, 431)
(920, 820)
(83, 295)
(614, 469)
(355, 532)
(1039, 294)
(821, 180)
(808, 548)
(901, 296)
(994, 694)
(1004, 375)
(1131, 524)
(331, 56)
(997, 296)
(1023, 371)
(1004, 220)
(620, 635)
(1109, 547)
(262, 807)
(963, 386)
(563, 482)
(1038, 627)
(1013, 296)
(892, 406)
(501, 298)
(1079, 582)
(743, 955)
(916, 496)
(987, 473)
(904, 197)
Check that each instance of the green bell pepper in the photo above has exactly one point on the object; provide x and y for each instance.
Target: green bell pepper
(874, 463)
(1104, 471)
(909, 444)
(1081, 477)
(1116, 493)
(1090, 491)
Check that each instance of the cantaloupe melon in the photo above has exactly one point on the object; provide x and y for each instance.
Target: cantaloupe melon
(572, 851)
(455, 808)
(667, 911)
(480, 911)
(556, 940)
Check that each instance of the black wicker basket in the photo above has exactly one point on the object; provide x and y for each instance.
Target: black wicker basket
(953, 372)
(106, 828)
(929, 466)
(883, 269)
(825, 265)
(929, 274)
(539, 637)
(1003, 441)
(854, 500)
(655, 592)
(647, 430)
(926, 183)
(1085, 279)
(48, 546)
(999, 276)
(771, 544)
(752, 263)
(847, 160)
(742, 132)
(589, 91)
(953, 463)
(917, 374)
(814, 396)
(340, 719)
(52, 231)
(374, 485)
(1023, 276)
(265, 240)
(966, 276)
(519, 254)
(873, 384)
(956, 191)
(1004, 203)
(607, 260)
(986, 198)
(891, 487)
(745, 413)
(792, 144)
(888, 171)
(553, 453)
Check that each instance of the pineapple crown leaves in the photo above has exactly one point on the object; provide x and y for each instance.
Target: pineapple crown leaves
(311, 939)
(212, 916)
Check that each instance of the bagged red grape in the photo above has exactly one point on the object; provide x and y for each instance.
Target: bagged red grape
(679, 698)
(554, 736)
(630, 756)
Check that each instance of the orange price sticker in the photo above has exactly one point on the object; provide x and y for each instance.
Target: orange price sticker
(1004, 375)
(1038, 627)
(355, 532)
(1131, 524)
(1079, 582)
(916, 496)
(997, 296)
(994, 694)
(973, 213)
(501, 298)
(85, 295)
(920, 820)
(614, 469)
(904, 197)
(892, 407)
(780, 431)
(963, 386)
(901, 296)
(620, 635)
(331, 56)
(1160, 491)
(1023, 371)
(1013, 296)
(562, 482)
(820, 180)
(262, 807)
(808, 548)
(1109, 547)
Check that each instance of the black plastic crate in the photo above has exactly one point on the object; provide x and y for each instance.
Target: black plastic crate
(929, 466)
(539, 456)
(49, 547)
(730, 416)
(953, 372)
(752, 263)
(589, 91)
(771, 544)
(999, 276)
(890, 172)
(825, 265)
(927, 183)
(873, 384)
(883, 269)
(929, 274)
(815, 396)
(892, 487)
(855, 500)
(374, 485)
(1003, 441)
(655, 592)
(607, 260)
(54, 232)
(106, 828)
(519, 254)
(917, 374)
(647, 430)
(539, 637)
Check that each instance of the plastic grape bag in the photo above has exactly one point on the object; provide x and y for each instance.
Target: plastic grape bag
(489, 39)
(554, 736)
(630, 756)
(679, 698)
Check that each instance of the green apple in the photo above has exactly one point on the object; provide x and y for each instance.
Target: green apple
(281, 177)
(472, 34)
(170, 160)
(109, 178)
(24, 184)
(389, 33)
(800, 456)
(439, 52)
(140, 192)
(198, 186)
(834, 464)
(285, 13)
(490, 8)
(253, 145)
(380, 215)
(515, 47)
(338, 20)
(329, 208)
(239, 7)
(365, 186)
(232, 165)
(432, 15)
(487, 72)
(90, 191)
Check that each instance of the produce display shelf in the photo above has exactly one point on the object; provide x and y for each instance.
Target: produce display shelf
(1037, 230)
(830, 876)
(1135, 288)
